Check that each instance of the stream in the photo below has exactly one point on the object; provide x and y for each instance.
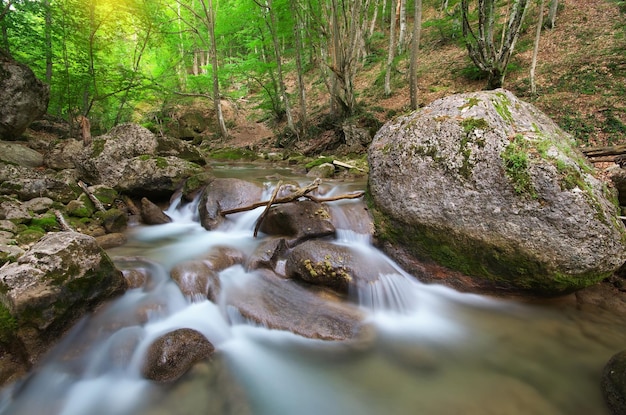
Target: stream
(434, 351)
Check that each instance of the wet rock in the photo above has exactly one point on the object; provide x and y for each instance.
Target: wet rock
(225, 194)
(323, 171)
(9, 253)
(614, 383)
(24, 98)
(197, 279)
(111, 240)
(222, 257)
(151, 214)
(486, 184)
(59, 279)
(298, 221)
(168, 146)
(174, 353)
(20, 154)
(267, 254)
(277, 303)
(135, 278)
(113, 220)
(335, 266)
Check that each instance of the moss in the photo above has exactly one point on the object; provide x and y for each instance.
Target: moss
(144, 157)
(318, 162)
(505, 268)
(233, 154)
(502, 105)
(106, 195)
(8, 324)
(471, 102)
(97, 147)
(516, 164)
(471, 124)
(161, 162)
(29, 236)
(47, 223)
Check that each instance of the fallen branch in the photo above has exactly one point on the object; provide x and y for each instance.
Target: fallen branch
(62, 222)
(300, 192)
(267, 209)
(354, 195)
(297, 194)
(345, 165)
(91, 197)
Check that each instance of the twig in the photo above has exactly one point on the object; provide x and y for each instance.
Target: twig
(354, 195)
(62, 222)
(300, 192)
(267, 209)
(91, 197)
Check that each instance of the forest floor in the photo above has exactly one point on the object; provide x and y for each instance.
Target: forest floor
(581, 77)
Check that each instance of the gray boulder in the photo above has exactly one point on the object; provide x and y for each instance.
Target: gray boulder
(24, 98)
(27, 183)
(488, 185)
(53, 284)
(225, 194)
(298, 221)
(20, 154)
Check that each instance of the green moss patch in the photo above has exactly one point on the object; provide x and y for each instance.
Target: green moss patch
(516, 162)
(233, 154)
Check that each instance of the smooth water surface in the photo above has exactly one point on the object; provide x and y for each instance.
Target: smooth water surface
(434, 351)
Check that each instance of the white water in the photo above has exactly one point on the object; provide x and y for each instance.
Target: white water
(435, 351)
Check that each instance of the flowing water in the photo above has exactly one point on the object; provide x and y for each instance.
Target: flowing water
(434, 351)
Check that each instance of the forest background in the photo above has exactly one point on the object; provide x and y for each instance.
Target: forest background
(288, 70)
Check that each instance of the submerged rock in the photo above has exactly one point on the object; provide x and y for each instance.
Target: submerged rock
(173, 354)
(614, 383)
(488, 185)
(281, 304)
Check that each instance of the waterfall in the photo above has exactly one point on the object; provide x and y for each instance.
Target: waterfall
(432, 350)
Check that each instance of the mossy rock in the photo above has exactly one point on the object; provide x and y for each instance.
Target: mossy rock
(113, 220)
(29, 236)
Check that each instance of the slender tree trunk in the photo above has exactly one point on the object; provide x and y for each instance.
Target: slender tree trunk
(297, 27)
(554, 6)
(374, 17)
(217, 101)
(402, 31)
(415, 45)
(182, 68)
(279, 66)
(533, 65)
(48, 40)
(390, 52)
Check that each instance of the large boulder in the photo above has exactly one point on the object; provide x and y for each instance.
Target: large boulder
(24, 98)
(225, 194)
(487, 184)
(127, 159)
(53, 284)
(27, 183)
(20, 154)
(298, 221)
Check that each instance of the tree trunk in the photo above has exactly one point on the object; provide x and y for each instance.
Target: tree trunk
(48, 40)
(182, 68)
(479, 41)
(402, 31)
(533, 65)
(278, 56)
(297, 27)
(390, 51)
(415, 45)
(554, 5)
(210, 18)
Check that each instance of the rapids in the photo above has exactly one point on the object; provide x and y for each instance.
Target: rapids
(434, 351)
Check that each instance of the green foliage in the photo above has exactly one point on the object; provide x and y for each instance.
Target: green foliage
(234, 154)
